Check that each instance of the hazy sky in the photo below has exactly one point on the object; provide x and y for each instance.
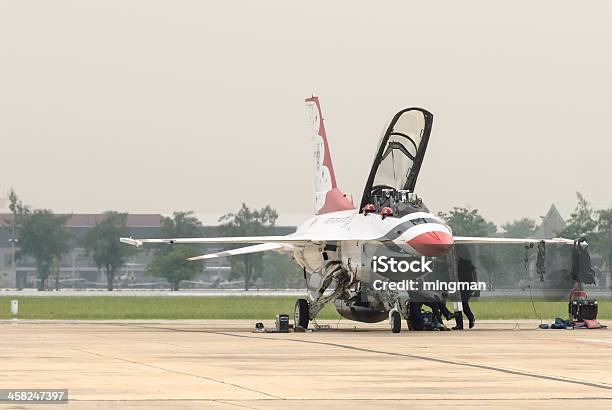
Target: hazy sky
(154, 106)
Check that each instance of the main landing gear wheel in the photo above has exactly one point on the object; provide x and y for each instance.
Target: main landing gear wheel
(395, 320)
(301, 314)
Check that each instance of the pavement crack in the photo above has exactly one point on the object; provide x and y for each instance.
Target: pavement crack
(464, 364)
(229, 403)
(420, 357)
(179, 372)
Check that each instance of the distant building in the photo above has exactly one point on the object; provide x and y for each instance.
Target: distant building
(76, 268)
(552, 224)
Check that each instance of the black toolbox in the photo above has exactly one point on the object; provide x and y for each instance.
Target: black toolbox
(582, 309)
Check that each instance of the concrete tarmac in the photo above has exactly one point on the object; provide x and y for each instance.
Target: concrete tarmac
(224, 365)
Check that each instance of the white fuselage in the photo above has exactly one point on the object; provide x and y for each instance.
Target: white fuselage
(342, 233)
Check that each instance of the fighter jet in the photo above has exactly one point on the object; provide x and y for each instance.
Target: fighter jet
(337, 246)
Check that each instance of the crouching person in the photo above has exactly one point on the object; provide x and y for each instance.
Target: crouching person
(416, 321)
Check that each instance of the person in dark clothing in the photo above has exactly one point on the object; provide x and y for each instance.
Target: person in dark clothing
(465, 302)
(435, 311)
(467, 273)
(415, 317)
(442, 306)
(438, 309)
(426, 321)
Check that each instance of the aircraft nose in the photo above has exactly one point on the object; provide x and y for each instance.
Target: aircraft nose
(431, 243)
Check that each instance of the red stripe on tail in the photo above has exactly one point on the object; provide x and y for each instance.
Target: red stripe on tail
(328, 198)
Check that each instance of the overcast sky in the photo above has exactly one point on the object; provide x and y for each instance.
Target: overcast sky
(155, 106)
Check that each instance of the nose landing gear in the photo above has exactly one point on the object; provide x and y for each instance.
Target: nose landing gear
(395, 321)
(301, 314)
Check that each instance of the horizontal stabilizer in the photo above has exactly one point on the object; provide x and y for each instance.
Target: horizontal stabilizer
(130, 241)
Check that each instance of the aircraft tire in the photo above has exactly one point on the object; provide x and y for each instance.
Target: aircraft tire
(301, 314)
(396, 322)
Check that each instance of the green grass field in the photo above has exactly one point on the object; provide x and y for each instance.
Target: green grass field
(237, 307)
(138, 307)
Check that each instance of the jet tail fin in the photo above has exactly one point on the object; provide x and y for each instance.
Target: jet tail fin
(328, 197)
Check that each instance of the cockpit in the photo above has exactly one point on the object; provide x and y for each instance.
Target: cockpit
(397, 163)
(400, 202)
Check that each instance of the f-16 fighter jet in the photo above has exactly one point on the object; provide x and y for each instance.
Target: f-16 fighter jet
(338, 246)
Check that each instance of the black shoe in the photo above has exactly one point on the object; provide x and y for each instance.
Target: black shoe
(472, 323)
(457, 327)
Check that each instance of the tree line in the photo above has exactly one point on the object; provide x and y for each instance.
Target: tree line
(595, 225)
(42, 235)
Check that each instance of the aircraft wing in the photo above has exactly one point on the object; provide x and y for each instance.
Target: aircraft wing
(241, 251)
(236, 239)
(464, 240)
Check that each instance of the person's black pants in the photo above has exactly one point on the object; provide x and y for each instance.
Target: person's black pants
(465, 302)
(438, 309)
(447, 313)
(435, 311)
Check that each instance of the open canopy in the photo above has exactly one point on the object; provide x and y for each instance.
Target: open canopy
(399, 153)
